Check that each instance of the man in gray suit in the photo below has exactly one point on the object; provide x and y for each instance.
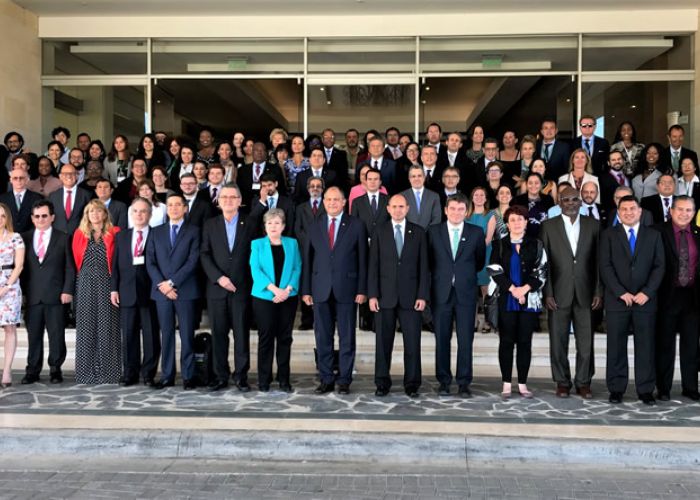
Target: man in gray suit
(424, 204)
(572, 289)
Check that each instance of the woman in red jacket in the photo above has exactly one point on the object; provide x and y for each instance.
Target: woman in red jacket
(97, 342)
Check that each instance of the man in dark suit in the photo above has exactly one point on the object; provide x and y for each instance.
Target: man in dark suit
(334, 280)
(612, 179)
(378, 161)
(215, 181)
(457, 252)
(20, 200)
(225, 260)
(199, 205)
(553, 151)
(248, 179)
(678, 299)
(659, 205)
(621, 192)
(432, 171)
(433, 136)
(172, 255)
(317, 169)
(571, 291)
(398, 285)
(479, 175)
(632, 268)
(672, 156)
(14, 142)
(597, 148)
(450, 186)
(589, 193)
(271, 198)
(117, 209)
(370, 208)
(424, 204)
(48, 282)
(68, 201)
(306, 214)
(336, 159)
(131, 287)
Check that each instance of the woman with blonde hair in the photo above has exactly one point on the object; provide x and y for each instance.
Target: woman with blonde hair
(97, 337)
(580, 171)
(11, 261)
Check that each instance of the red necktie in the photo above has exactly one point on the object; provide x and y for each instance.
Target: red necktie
(257, 171)
(41, 251)
(620, 179)
(139, 241)
(69, 202)
(331, 233)
(314, 208)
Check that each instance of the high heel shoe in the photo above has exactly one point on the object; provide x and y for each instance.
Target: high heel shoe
(506, 392)
(525, 393)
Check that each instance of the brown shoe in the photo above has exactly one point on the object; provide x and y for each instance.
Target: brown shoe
(562, 391)
(585, 392)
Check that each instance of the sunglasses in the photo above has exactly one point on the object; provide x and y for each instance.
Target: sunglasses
(41, 216)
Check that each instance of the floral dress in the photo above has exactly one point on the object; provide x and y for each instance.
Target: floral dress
(11, 302)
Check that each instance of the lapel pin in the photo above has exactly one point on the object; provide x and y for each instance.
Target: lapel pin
(464, 239)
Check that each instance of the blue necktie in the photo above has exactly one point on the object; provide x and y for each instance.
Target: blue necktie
(173, 234)
(418, 201)
(633, 240)
(455, 242)
(398, 237)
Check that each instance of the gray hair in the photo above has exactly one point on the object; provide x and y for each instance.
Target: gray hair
(272, 213)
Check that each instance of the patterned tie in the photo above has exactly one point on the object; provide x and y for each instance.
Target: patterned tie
(314, 207)
(213, 194)
(257, 171)
(666, 212)
(138, 248)
(398, 238)
(683, 259)
(620, 179)
(173, 235)
(587, 145)
(455, 242)
(373, 204)
(69, 203)
(418, 201)
(331, 233)
(41, 247)
(633, 240)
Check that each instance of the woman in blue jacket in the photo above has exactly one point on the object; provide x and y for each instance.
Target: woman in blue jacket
(275, 264)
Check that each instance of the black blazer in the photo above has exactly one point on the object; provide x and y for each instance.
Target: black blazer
(646, 220)
(119, 213)
(388, 173)
(600, 151)
(245, 182)
(22, 218)
(301, 194)
(132, 282)
(398, 280)
(202, 209)
(43, 283)
(501, 253)
(123, 191)
(303, 218)
(558, 163)
(608, 184)
(283, 203)
(665, 158)
(362, 210)
(623, 272)
(655, 206)
(339, 165)
(668, 285)
(82, 198)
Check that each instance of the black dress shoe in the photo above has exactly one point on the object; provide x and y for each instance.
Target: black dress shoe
(647, 398)
(29, 379)
(324, 388)
(218, 385)
(615, 398)
(149, 382)
(286, 387)
(264, 388)
(162, 384)
(343, 388)
(694, 395)
(188, 385)
(56, 378)
(663, 396)
(381, 391)
(242, 385)
(429, 327)
(444, 390)
(411, 392)
(465, 391)
(126, 382)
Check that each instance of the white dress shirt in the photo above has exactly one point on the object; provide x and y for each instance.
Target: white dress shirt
(573, 231)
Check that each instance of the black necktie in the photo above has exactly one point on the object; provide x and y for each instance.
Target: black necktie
(590, 212)
(683, 259)
(374, 204)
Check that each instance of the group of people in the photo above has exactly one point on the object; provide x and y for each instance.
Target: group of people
(139, 244)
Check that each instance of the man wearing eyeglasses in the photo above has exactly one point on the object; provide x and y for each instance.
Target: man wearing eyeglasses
(69, 201)
(597, 148)
(48, 279)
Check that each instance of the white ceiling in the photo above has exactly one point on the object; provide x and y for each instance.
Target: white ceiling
(309, 7)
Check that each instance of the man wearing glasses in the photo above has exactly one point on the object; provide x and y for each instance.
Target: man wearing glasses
(597, 148)
(69, 201)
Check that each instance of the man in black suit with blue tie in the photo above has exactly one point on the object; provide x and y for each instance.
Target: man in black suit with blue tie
(398, 286)
(334, 281)
(457, 252)
(378, 161)
(172, 256)
(598, 148)
(553, 151)
(131, 287)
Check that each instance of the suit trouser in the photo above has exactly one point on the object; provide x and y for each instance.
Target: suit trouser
(275, 324)
(185, 312)
(307, 315)
(559, 334)
(410, 321)
(50, 317)
(136, 320)
(326, 315)
(515, 328)
(225, 315)
(617, 370)
(680, 316)
(443, 317)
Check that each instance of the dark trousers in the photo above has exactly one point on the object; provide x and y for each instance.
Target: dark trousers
(410, 321)
(50, 317)
(136, 323)
(617, 370)
(515, 330)
(185, 312)
(225, 315)
(307, 316)
(275, 325)
(680, 315)
(443, 317)
(559, 328)
(326, 315)
(366, 317)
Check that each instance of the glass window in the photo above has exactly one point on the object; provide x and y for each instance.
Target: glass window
(362, 55)
(636, 52)
(94, 57)
(278, 55)
(489, 54)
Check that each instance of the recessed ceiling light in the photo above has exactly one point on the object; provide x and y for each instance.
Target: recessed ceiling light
(423, 102)
(322, 89)
(328, 102)
(633, 106)
(427, 88)
(568, 100)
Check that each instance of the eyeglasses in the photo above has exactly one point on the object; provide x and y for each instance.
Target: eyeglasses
(18, 178)
(41, 216)
(587, 125)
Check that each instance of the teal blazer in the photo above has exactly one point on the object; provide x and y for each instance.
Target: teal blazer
(262, 267)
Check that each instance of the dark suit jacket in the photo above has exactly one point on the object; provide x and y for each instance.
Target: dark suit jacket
(501, 253)
(22, 218)
(177, 263)
(600, 150)
(666, 295)
(245, 182)
(301, 194)
(341, 270)
(283, 203)
(471, 255)
(623, 272)
(132, 282)
(202, 209)
(388, 173)
(398, 280)
(123, 191)
(217, 260)
(82, 198)
(303, 218)
(665, 158)
(558, 163)
(435, 182)
(608, 184)
(362, 210)
(646, 220)
(655, 206)
(119, 213)
(339, 165)
(571, 276)
(43, 283)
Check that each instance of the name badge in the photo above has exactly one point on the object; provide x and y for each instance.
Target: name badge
(139, 261)
(256, 186)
